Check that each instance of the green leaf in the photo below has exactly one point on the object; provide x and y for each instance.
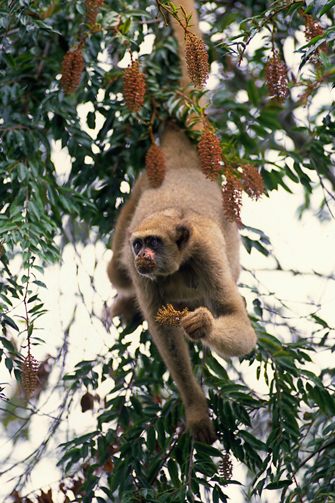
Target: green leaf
(207, 449)
(160, 433)
(90, 119)
(269, 120)
(328, 6)
(8, 345)
(329, 429)
(9, 364)
(9, 59)
(124, 28)
(214, 365)
(40, 283)
(279, 484)
(173, 471)
(253, 441)
(10, 322)
(137, 405)
(252, 92)
(151, 439)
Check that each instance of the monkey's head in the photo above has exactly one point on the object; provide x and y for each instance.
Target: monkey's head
(159, 246)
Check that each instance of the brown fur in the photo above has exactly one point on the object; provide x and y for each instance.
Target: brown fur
(197, 267)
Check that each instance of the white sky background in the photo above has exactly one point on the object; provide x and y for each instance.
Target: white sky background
(306, 245)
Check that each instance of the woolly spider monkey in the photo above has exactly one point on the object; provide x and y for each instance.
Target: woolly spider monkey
(173, 244)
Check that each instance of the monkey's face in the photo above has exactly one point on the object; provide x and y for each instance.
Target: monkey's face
(159, 249)
(146, 252)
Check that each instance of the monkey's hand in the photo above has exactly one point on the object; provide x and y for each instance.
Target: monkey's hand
(198, 323)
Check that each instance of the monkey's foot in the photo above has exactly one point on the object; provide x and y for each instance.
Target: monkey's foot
(198, 323)
(203, 431)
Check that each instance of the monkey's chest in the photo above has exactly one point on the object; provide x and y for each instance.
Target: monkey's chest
(178, 289)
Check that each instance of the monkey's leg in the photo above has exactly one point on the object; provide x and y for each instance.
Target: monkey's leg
(125, 307)
(172, 346)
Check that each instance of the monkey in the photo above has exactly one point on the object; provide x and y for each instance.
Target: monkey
(173, 245)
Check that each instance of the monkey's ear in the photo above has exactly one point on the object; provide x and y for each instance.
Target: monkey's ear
(182, 235)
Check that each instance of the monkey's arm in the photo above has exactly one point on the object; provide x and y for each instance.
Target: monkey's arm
(125, 304)
(229, 331)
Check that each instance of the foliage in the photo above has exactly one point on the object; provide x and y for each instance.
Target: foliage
(136, 448)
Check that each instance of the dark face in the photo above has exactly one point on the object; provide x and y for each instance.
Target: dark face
(147, 252)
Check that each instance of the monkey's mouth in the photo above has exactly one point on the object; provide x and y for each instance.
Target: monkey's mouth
(145, 265)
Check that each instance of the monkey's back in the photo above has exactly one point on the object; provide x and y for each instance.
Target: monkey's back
(186, 193)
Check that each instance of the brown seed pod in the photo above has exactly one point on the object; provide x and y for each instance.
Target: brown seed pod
(196, 60)
(226, 467)
(169, 316)
(29, 374)
(314, 29)
(133, 87)
(210, 155)
(276, 79)
(72, 68)
(155, 165)
(232, 197)
(252, 182)
(92, 9)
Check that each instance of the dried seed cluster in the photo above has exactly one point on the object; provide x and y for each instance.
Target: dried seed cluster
(232, 197)
(92, 9)
(196, 60)
(133, 87)
(169, 316)
(210, 155)
(252, 182)
(276, 80)
(226, 467)
(29, 374)
(155, 165)
(72, 68)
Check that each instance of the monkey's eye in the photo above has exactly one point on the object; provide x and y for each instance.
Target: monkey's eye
(137, 245)
(154, 242)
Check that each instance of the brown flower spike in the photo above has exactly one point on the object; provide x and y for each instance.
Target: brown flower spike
(169, 316)
(29, 374)
(252, 182)
(155, 165)
(133, 87)
(232, 197)
(196, 60)
(276, 80)
(210, 155)
(92, 9)
(72, 68)
(312, 30)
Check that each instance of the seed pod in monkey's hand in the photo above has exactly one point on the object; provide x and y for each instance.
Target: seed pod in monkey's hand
(169, 316)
